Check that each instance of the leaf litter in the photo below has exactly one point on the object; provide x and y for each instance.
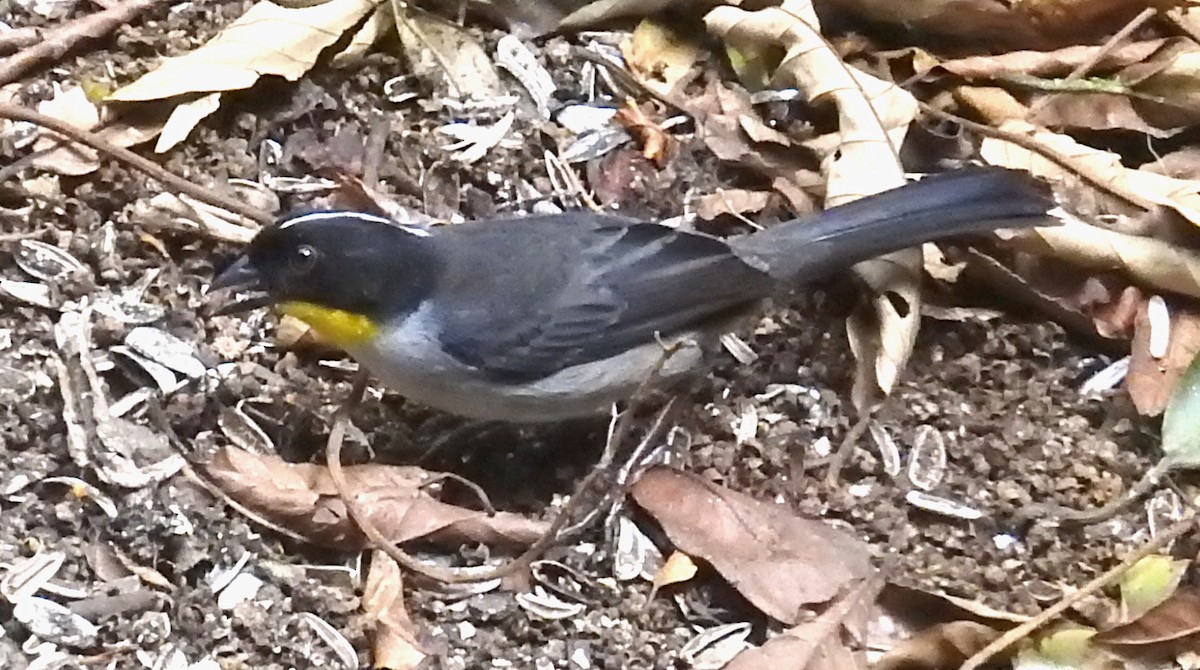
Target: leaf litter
(991, 458)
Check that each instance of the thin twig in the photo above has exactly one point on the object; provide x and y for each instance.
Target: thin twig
(620, 487)
(1108, 47)
(1062, 514)
(131, 159)
(333, 457)
(57, 42)
(19, 38)
(1105, 49)
(1024, 630)
(26, 235)
(838, 458)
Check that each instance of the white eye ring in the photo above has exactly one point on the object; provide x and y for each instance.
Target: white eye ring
(304, 258)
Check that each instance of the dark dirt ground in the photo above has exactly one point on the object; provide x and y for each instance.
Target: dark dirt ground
(1004, 392)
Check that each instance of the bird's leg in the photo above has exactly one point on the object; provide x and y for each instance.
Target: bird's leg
(618, 427)
(611, 499)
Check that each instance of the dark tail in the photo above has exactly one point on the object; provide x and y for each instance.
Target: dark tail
(971, 200)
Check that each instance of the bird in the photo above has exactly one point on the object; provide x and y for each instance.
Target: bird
(550, 317)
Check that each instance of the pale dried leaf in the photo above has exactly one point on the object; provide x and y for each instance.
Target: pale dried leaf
(1101, 169)
(54, 152)
(1039, 25)
(820, 644)
(662, 56)
(396, 645)
(266, 40)
(731, 201)
(469, 66)
(1098, 111)
(679, 568)
(873, 118)
(945, 645)
(993, 103)
(1152, 263)
(1055, 63)
(375, 28)
(184, 118)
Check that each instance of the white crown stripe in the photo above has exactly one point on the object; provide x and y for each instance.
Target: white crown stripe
(369, 218)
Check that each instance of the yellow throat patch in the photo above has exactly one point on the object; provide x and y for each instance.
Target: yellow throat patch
(339, 327)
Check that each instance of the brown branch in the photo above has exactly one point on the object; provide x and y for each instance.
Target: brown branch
(57, 42)
(19, 38)
(333, 458)
(618, 430)
(140, 163)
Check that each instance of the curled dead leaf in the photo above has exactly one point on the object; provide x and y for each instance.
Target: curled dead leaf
(873, 118)
(1176, 619)
(1152, 381)
(779, 561)
(396, 645)
(303, 498)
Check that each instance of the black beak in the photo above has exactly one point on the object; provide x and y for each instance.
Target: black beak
(241, 276)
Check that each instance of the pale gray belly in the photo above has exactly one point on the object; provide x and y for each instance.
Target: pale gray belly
(418, 369)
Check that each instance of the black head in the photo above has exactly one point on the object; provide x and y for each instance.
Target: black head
(338, 260)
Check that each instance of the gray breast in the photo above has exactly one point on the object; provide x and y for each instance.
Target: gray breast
(417, 367)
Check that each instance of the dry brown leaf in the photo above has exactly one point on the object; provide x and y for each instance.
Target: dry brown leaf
(942, 646)
(1152, 381)
(1097, 111)
(1101, 169)
(662, 56)
(266, 40)
(302, 498)
(734, 131)
(55, 154)
(679, 568)
(1181, 164)
(993, 103)
(779, 561)
(1114, 318)
(656, 143)
(873, 118)
(731, 126)
(818, 644)
(1035, 290)
(1039, 25)
(731, 201)
(396, 645)
(1176, 619)
(1173, 76)
(1056, 63)
(438, 49)
(1152, 263)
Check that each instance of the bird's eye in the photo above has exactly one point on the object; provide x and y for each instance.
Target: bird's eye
(304, 258)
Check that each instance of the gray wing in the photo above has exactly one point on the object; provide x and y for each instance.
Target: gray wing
(574, 291)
